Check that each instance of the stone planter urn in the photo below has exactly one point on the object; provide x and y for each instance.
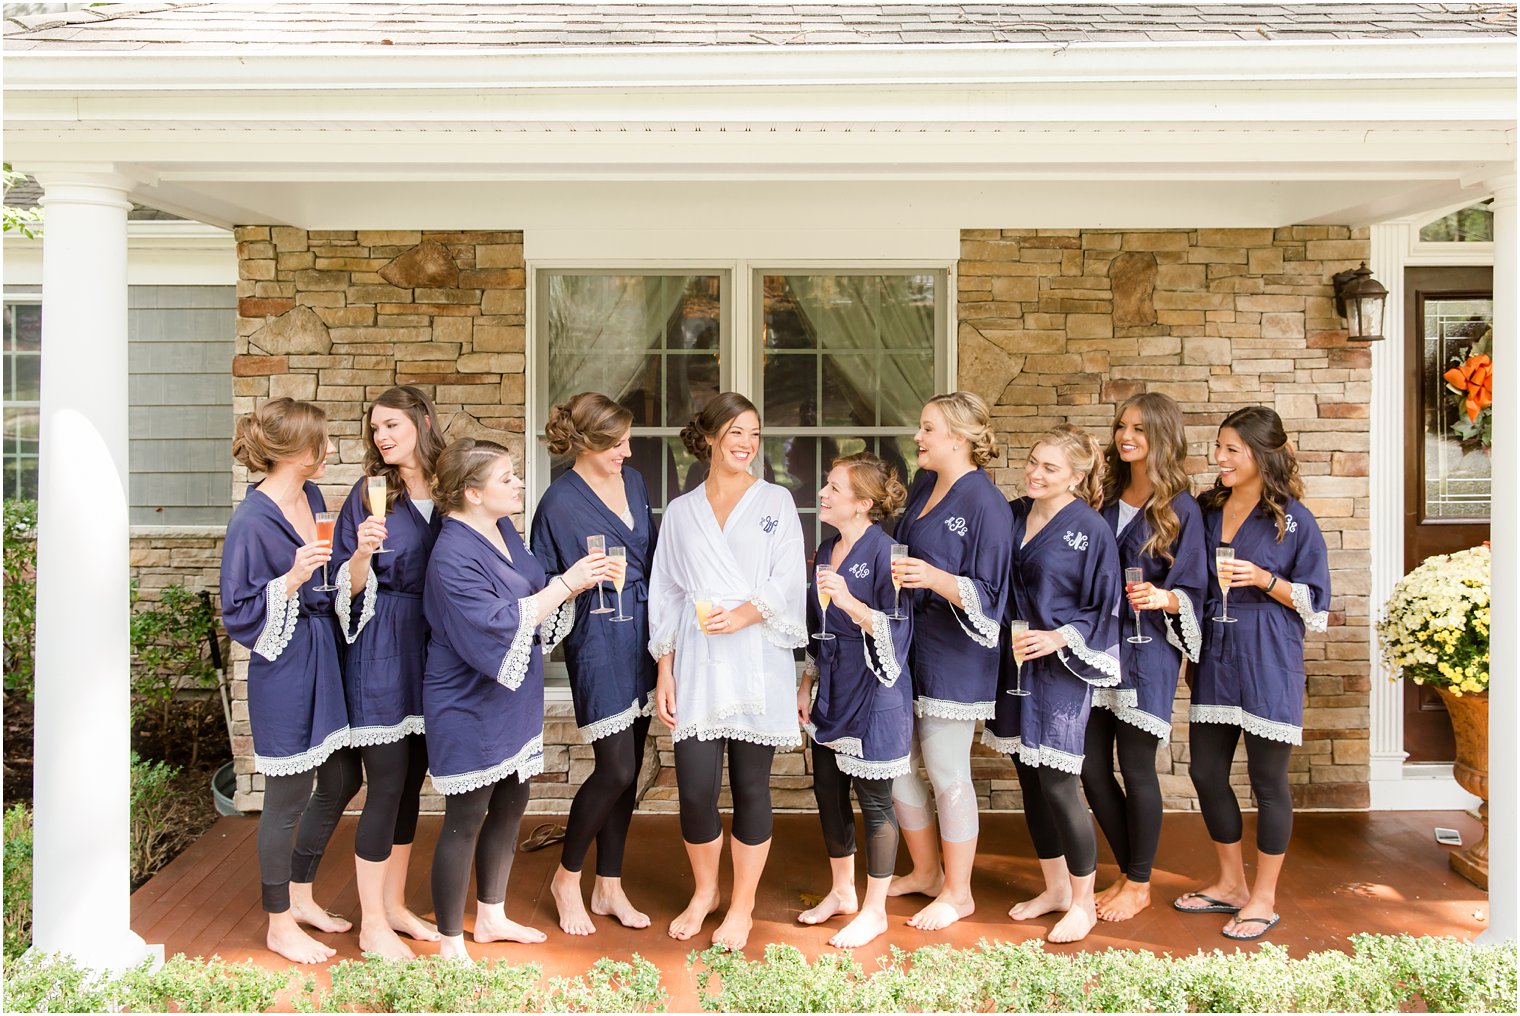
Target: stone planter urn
(1469, 721)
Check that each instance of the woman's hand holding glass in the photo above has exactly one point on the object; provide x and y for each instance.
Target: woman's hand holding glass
(723, 621)
(1145, 596)
(837, 589)
(1033, 644)
(370, 535)
(915, 573)
(1243, 573)
(309, 558)
(587, 572)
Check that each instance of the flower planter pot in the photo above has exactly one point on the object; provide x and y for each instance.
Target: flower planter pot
(223, 786)
(1469, 721)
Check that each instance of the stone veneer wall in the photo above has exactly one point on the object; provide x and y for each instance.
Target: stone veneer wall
(1062, 324)
(1053, 325)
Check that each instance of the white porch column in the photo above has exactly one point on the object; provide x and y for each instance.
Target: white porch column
(1504, 646)
(81, 892)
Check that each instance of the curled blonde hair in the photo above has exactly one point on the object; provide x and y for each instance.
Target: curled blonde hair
(873, 480)
(465, 463)
(588, 422)
(279, 430)
(1085, 455)
(967, 414)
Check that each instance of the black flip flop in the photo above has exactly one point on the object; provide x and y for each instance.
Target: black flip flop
(1267, 924)
(1214, 906)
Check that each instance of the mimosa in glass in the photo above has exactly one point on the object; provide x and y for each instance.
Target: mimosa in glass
(822, 634)
(1224, 556)
(899, 553)
(1132, 578)
(704, 604)
(598, 545)
(376, 488)
(326, 522)
(619, 557)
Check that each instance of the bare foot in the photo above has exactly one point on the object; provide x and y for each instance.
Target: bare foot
(497, 928)
(866, 926)
(1126, 903)
(383, 942)
(733, 933)
(916, 883)
(609, 900)
(1079, 920)
(943, 912)
(297, 946)
(451, 947)
(689, 921)
(1110, 891)
(404, 922)
(565, 887)
(308, 913)
(835, 902)
(1048, 901)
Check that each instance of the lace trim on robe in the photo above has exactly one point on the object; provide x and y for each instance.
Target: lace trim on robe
(1303, 602)
(1272, 730)
(526, 764)
(948, 709)
(557, 625)
(778, 630)
(986, 629)
(1044, 755)
(514, 666)
(1191, 643)
(366, 737)
(886, 651)
(343, 604)
(305, 761)
(280, 616)
(1104, 663)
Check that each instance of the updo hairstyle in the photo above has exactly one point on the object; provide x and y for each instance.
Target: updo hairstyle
(465, 463)
(1085, 455)
(872, 479)
(588, 422)
(280, 430)
(966, 414)
(719, 411)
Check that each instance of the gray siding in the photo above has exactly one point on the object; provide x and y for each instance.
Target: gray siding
(180, 385)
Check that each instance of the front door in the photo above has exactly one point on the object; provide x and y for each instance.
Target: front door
(1448, 315)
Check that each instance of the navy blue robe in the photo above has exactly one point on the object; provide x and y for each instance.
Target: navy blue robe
(1149, 671)
(864, 708)
(295, 677)
(483, 687)
(1066, 579)
(611, 674)
(1251, 673)
(955, 656)
(382, 670)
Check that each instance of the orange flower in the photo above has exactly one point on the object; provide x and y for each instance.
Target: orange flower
(1475, 381)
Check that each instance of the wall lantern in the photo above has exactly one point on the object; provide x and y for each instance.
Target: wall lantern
(1360, 299)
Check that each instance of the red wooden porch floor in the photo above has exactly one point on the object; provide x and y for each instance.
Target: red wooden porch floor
(1347, 873)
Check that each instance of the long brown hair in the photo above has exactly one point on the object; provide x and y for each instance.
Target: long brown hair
(419, 409)
(710, 421)
(1084, 454)
(1262, 431)
(1165, 462)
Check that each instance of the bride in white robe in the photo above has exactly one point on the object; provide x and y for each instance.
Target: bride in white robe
(734, 543)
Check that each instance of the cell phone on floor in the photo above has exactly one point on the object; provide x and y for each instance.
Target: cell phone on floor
(1450, 837)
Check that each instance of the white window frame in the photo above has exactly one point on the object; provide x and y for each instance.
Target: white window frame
(18, 297)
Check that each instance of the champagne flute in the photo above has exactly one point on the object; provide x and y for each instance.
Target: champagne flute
(1223, 555)
(899, 553)
(704, 604)
(377, 487)
(619, 557)
(1132, 578)
(1015, 629)
(598, 545)
(326, 523)
(823, 602)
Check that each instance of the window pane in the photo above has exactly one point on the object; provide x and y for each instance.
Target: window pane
(849, 390)
(1474, 224)
(23, 327)
(602, 330)
(690, 380)
(24, 377)
(1458, 477)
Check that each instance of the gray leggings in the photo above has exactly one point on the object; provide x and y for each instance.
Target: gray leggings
(288, 802)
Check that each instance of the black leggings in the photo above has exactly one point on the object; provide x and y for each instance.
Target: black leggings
(1057, 817)
(481, 824)
(1130, 816)
(603, 807)
(699, 777)
(1212, 748)
(394, 772)
(831, 788)
(289, 802)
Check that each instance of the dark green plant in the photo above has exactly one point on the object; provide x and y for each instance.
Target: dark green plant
(170, 654)
(18, 219)
(154, 808)
(20, 594)
(18, 880)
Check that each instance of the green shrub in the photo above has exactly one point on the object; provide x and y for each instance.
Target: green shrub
(18, 880)
(154, 804)
(170, 655)
(1385, 974)
(59, 984)
(20, 594)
